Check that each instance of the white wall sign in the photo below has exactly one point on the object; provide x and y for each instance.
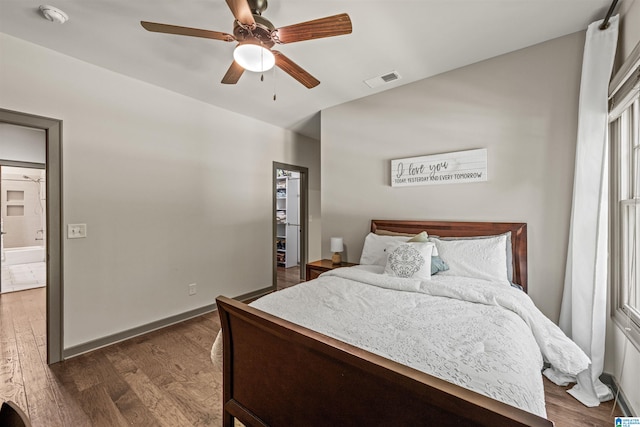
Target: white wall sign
(448, 168)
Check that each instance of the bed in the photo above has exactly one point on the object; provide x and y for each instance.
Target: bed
(328, 361)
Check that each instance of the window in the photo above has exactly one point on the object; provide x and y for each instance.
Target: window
(624, 139)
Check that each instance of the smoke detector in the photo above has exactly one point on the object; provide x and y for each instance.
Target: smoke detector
(54, 14)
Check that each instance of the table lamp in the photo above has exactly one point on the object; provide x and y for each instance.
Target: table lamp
(336, 247)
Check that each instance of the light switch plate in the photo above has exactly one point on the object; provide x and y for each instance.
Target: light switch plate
(76, 231)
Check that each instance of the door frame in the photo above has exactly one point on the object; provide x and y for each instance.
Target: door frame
(304, 217)
(54, 241)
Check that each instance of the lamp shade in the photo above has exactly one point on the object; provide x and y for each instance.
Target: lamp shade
(253, 57)
(336, 244)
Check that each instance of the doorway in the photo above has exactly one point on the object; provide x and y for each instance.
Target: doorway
(52, 229)
(290, 207)
(23, 227)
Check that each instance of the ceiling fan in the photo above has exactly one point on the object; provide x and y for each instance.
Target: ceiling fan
(257, 35)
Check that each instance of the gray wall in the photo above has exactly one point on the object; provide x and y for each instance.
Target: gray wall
(173, 191)
(521, 106)
(629, 34)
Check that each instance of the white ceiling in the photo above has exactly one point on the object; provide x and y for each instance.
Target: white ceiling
(418, 39)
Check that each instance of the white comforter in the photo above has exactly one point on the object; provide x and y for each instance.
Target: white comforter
(486, 337)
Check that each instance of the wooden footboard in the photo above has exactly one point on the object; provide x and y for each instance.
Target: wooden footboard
(277, 373)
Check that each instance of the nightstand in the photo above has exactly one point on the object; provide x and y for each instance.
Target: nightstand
(316, 268)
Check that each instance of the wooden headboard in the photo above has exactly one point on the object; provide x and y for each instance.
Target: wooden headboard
(468, 229)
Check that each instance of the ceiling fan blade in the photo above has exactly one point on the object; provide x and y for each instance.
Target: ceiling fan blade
(242, 12)
(295, 71)
(330, 26)
(186, 31)
(233, 74)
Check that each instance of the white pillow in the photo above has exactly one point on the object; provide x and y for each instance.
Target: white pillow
(509, 249)
(374, 251)
(410, 260)
(480, 258)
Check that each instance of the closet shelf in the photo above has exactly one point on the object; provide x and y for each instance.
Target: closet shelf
(286, 192)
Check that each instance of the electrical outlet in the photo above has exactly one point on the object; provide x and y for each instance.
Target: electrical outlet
(192, 289)
(76, 231)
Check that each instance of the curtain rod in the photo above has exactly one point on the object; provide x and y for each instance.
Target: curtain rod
(605, 23)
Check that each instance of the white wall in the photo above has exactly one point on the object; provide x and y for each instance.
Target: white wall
(521, 106)
(173, 191)
(622, 359)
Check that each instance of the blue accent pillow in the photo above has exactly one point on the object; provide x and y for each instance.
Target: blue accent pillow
(438, 265)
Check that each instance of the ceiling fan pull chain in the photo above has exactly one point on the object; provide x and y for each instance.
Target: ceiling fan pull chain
(274, 83)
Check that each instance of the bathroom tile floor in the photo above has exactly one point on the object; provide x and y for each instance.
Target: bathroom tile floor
(23, 276)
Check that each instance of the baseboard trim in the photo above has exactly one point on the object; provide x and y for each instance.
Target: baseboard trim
(611, 382)
(79, 349)
(137, 331)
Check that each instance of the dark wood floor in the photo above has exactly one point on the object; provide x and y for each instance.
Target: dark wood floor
(162, 378)
(288, 277)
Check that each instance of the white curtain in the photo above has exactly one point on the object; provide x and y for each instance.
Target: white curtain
(583, 315)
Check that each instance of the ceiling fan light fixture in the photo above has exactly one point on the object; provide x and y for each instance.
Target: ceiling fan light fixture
(253, 57)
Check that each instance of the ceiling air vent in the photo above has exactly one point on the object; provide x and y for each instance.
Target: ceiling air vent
(383, 79)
